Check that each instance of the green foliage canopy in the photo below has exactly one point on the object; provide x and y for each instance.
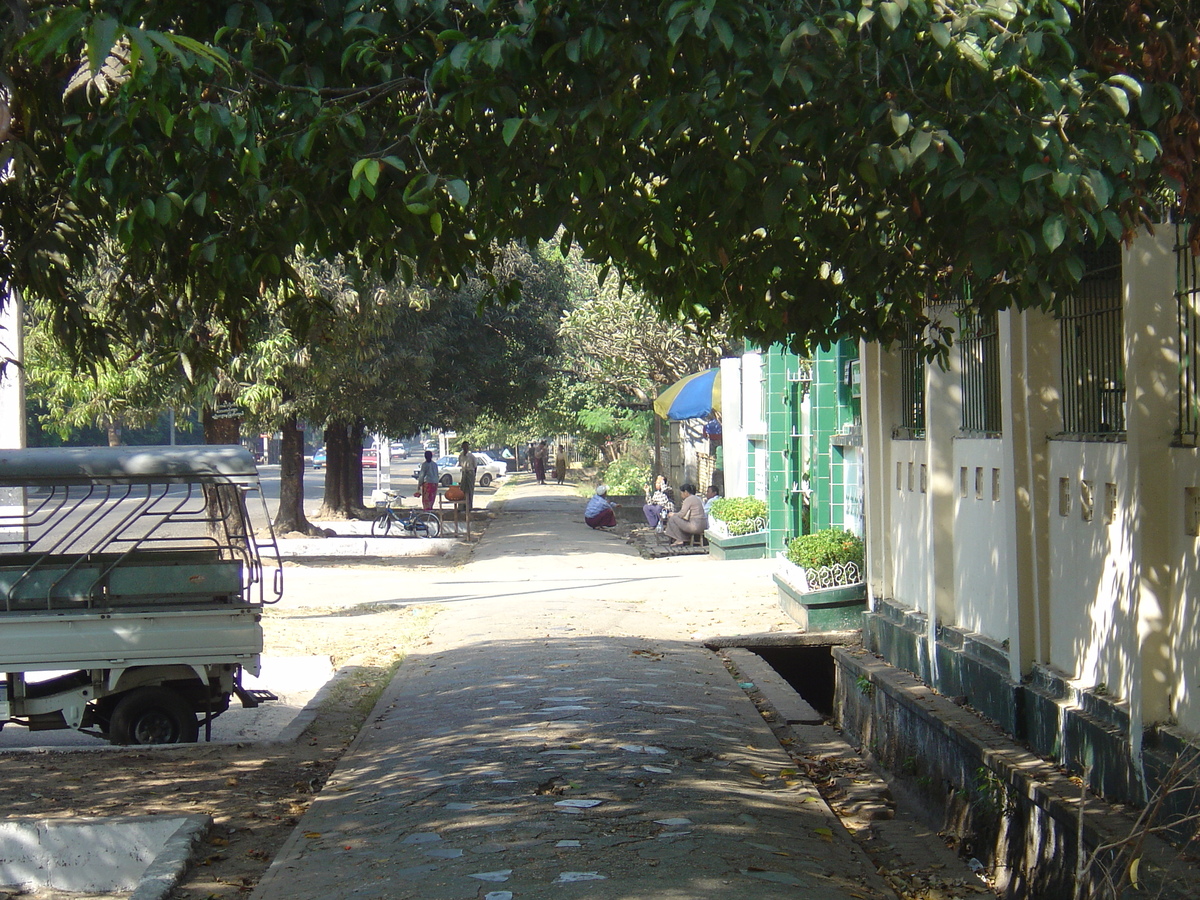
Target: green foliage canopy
(793, 170)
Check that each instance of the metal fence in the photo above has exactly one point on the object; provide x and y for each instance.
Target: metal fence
(979, 355)
(1187, 289)
(1093, 355)
(912, 385)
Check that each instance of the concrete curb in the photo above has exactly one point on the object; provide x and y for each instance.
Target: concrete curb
(292, 731)
(173, 861)
(790, 708)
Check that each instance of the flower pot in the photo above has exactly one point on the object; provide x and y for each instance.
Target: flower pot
(836, 607)
(736, 546)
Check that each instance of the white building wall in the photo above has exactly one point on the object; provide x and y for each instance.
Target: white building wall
(982, 556)
(1090, 564)
(1183, 520)
(909, 524)
(734, 450)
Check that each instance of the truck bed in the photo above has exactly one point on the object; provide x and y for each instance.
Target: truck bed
(30, 642)
(105, 582)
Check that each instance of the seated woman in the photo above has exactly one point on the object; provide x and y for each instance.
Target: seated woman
(689, 520)
(599, 512)
(658, 502)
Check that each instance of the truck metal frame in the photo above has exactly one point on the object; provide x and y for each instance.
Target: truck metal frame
(131, 589)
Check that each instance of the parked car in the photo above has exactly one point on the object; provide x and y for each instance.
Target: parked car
(399, 451)
(319, 459)
(449, 472)
(370, 458)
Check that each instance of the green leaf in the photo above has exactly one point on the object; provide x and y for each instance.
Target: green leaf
(891, 14)
(1054, 231)
(1097, 184)
(202, 51)
(1034, 172)
(435, 223)
(865, 15)
(940, 34)
(724, 32)
(920, 142)
(511, 127)
(101, 37)
(459, 191)
(1060, 183)
(1118, 96)
(900, 123)
(1130, 85)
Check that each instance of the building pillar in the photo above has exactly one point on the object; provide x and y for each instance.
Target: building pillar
(877, 385)
(12, 377)
(1031, 401)
(737, 476)
(1151, 391)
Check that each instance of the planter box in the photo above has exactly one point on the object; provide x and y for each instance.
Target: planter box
(737, 546)
(837, 608)
(629, 509)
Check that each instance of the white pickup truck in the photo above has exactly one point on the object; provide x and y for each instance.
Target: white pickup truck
(131, 589)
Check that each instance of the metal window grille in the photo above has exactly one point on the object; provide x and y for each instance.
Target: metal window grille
(1188, 296)
(1093, 355)
(912, 385)
(979, 355)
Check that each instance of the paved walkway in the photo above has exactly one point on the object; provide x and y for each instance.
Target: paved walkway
(565, 735)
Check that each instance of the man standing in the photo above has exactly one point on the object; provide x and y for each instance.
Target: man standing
(427, 481)
(466, 462)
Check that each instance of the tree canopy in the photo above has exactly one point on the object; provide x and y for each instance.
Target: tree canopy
(790, 170)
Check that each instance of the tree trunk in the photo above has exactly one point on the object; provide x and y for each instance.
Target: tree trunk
(343, 472)
(290, 517)
(354, 472)
(223, 430)
(114, 433)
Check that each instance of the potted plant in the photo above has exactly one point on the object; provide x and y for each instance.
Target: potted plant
(737, 528)
(626, 482)
(820, 580)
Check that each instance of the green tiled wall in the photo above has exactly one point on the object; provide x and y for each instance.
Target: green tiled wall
(791, 452)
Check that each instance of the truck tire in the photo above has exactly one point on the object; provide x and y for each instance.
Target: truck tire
(153, 715)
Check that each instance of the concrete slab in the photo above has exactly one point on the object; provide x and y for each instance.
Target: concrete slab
(143, 855)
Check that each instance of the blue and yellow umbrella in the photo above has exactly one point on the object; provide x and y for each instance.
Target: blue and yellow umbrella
(691, 397)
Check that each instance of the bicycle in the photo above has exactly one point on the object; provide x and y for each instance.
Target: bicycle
(418, 522)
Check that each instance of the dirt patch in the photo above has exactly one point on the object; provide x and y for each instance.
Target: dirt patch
(255, 794)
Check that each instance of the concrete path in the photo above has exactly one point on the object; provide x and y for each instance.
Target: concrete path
(565, 735)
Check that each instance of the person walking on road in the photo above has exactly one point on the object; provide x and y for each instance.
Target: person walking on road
(427, 481)
(560, 464)
(540, 457)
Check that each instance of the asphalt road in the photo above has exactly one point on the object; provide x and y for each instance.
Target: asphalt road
(401, 476)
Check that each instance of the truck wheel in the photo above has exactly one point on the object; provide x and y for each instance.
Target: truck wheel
(153, 715)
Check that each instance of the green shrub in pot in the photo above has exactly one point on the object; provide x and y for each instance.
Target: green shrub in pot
(828, 547)
(625, 478)
(741, 515)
